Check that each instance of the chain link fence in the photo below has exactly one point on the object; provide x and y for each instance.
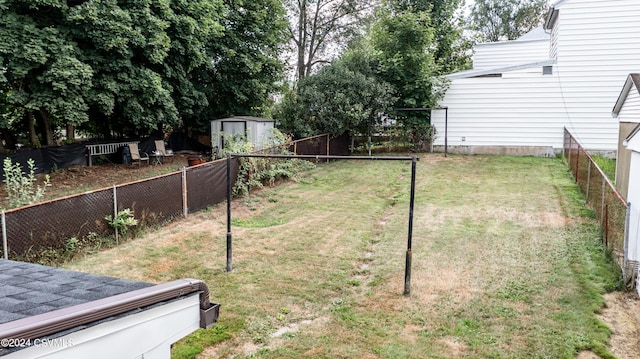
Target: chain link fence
(29, 230)
(601, 195)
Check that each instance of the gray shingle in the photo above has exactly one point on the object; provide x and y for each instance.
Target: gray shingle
(28, 289)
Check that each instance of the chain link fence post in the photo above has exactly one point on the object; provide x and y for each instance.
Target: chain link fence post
(185, 204)
(115, 210)
(5, 246)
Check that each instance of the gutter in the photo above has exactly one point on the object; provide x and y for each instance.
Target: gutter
(46, 324)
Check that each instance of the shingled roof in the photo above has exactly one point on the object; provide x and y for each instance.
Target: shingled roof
(29, 289)
(37, 300)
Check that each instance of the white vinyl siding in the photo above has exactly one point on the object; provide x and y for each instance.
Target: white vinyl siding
(508, 53)
(513, 111)
(597, 44)
(630, 110)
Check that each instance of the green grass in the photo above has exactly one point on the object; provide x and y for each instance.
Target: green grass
(607, 165)
(506, 264)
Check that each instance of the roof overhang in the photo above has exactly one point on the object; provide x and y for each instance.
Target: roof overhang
(82, 314)
(498, 70)
(632, 83)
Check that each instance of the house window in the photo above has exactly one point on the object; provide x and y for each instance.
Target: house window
(547, 70)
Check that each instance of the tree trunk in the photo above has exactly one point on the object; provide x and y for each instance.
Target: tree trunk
(71, 133)
(48, 132)
(302, 37)
(9, 138)
(31, 124)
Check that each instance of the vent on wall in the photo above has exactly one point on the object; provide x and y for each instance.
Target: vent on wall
(547, 70)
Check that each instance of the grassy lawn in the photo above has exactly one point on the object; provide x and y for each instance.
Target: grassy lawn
(506, 264)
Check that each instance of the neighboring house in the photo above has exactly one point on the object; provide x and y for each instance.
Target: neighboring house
(627, 111)
(257, 130)
(627, 181)
(54, 313)
(522, 93)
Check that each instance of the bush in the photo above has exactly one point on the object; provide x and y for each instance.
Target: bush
(255, 172)
(20, 187)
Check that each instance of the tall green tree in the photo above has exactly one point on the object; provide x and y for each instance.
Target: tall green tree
(498, 20)
(245, 68)
(106, 66)
(450, 48)
(342, 97)
(44, 73)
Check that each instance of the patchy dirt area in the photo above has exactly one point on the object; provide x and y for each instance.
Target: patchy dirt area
(622, 315)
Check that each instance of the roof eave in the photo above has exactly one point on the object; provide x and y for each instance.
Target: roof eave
(49, 323)
(633, 80)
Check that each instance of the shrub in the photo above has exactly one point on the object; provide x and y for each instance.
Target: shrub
(20, 186)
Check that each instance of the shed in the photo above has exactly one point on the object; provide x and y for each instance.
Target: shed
(256, 129)
(627, 111)
(48, 312)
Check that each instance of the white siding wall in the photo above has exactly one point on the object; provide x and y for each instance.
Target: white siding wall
(512, 111)
(506, 53)
(148, 334)
(634, 218)
(555, 36)
(599, 46)
(630, 110)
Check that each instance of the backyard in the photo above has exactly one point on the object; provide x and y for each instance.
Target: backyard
(506, 263)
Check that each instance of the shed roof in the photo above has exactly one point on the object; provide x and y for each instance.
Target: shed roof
(632, 83)
(246, 118)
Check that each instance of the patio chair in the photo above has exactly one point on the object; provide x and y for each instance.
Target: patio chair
(136, 155)
(162, 151)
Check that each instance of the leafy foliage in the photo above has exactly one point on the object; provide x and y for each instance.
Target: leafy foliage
(122, 221)
(318, 27)
(128, 68)
(21, 188)
(245, 69)
(343, 97)
(506, 19)
(255, 172)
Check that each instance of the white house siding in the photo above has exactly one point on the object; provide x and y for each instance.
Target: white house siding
(501, 54)
(555, 36)
(516, 111)
(598, 45)
(634, 215)
(148, 334)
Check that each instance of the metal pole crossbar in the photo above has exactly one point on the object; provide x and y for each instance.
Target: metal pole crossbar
(413, 159)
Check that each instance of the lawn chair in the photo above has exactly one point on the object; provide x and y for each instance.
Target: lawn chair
(161, 150)
(136, 155)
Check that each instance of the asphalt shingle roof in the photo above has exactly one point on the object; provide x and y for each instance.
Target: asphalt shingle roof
(28, 289)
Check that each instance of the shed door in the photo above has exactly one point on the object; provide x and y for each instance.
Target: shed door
(234, 128)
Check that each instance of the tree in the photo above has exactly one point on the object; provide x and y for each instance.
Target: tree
(318, 28)
(106, 66)
(44, 74)
(245, 69)
(506, 19)
(342, 97)
(450, 50)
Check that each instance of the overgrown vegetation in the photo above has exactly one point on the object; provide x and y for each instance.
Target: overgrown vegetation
(255, 172)
(21, 187)
(122, 221)
(506, 263)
